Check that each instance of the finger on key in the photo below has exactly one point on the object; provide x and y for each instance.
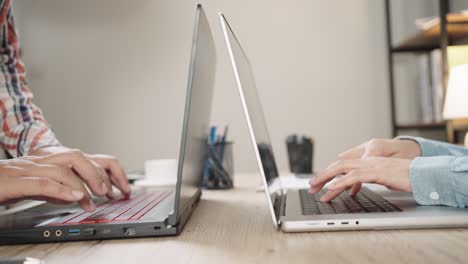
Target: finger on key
(83, 167)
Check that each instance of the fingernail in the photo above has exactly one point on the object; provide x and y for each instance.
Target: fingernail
(324, 197)
(104, 188)
(78, 194)
(312, 181)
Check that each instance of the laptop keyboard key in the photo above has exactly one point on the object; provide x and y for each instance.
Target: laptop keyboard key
(365, 201)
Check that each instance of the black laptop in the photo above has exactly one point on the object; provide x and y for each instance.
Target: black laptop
(149, 212)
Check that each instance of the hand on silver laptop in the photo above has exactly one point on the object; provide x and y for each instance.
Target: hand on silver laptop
(395, 148)
(392, 173)
(59, 175)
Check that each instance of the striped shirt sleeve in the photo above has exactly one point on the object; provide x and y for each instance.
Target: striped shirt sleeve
(23, 127)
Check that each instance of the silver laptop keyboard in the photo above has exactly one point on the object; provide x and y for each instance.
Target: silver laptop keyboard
(365, 201)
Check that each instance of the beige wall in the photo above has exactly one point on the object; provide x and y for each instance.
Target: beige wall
(111, 75)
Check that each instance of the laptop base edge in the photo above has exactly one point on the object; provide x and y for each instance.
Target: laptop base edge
(392, 222)
(87, 232)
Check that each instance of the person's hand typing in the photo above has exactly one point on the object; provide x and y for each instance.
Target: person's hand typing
(22, 179)
(395, 148)
(59, 175)
(392, 173)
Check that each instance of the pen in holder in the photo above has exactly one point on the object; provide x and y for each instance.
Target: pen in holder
(219, 165)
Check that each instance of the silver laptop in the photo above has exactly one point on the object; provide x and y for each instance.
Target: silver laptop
(149, 212)
(295, 210)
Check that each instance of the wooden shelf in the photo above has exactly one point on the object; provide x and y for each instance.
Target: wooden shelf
(420, 126)
(427, 40)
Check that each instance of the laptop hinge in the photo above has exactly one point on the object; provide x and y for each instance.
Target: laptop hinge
(280, 205)
(175, 218)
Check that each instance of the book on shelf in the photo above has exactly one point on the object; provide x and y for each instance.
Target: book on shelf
(425, 90)
(437, 85)
(431, 88)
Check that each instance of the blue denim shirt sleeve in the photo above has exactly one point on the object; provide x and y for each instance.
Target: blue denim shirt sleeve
(440, 176)
(436, 148)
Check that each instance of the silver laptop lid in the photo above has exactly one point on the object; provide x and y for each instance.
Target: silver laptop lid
(255, 119)
(196, 115)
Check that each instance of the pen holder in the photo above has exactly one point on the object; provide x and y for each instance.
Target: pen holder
(219, 166)
(301, 154)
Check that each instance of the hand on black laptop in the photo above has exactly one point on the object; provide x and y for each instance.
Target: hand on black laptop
(59, 175)
(24, 179)
(107, 169)
(393, 173)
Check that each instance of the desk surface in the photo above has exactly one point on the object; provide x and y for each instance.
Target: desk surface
(235, 227)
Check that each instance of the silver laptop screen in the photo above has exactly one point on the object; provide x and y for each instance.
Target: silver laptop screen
(254, 114)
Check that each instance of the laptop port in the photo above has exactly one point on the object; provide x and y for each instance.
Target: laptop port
(58, 233)
(46, 233)
(88, 231)
(74, 232)
(157, 228)
(129, 231)
(344, 223)
(330, 223)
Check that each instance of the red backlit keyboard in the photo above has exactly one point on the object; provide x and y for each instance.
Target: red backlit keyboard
(138, 207)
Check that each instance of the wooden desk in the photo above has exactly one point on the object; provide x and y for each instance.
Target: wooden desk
(235, 227)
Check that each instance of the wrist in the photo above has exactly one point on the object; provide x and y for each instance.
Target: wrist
(46, 150)
(412, 147)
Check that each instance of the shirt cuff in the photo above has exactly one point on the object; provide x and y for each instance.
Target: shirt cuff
(428, 147)
(430, 179)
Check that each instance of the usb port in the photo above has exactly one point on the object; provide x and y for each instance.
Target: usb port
(344, 223)
(330, 223)
(74, 232)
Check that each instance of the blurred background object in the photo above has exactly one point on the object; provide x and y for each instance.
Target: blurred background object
(456, 100)
(300, 154)
(218, 170)
(111, 76)
(418, 65)
(161, 172)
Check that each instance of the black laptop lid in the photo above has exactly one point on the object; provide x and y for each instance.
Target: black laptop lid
(193, 143)
(197, 115)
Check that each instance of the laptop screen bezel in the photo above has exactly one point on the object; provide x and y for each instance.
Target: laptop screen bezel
(225, 27)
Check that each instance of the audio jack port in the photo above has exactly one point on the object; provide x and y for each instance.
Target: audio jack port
(46, 233)
(58, 232)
